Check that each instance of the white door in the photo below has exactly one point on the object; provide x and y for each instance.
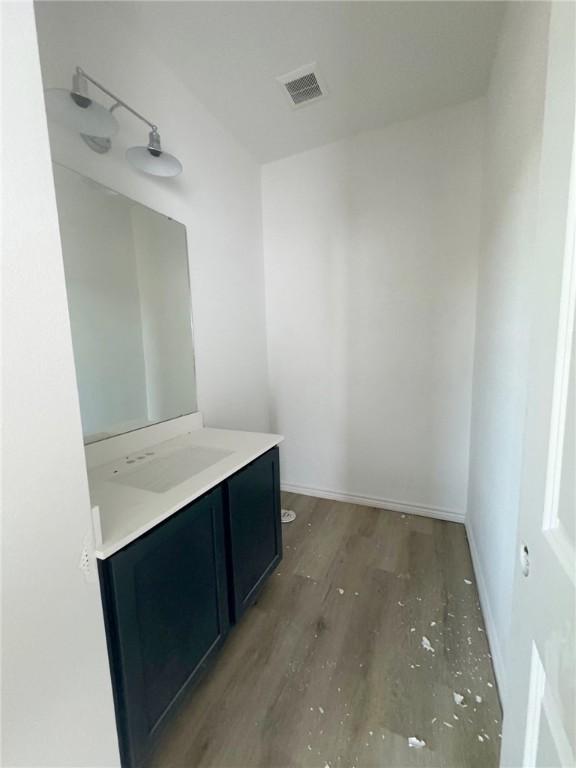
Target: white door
(539, 706)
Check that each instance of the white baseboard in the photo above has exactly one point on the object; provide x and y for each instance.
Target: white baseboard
(493, 639)
(367, 501)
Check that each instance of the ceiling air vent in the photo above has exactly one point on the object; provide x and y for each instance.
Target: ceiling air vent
(303, 85)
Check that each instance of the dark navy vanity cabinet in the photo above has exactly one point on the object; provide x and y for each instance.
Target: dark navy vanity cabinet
(170, 596)
(253, 529)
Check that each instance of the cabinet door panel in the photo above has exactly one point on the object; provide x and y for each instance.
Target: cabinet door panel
(166, 606)
(254, 528)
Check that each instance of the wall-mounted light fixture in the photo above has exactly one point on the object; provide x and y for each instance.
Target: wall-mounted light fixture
(97, 124)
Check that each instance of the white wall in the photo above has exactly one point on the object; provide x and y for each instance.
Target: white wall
(217, 197)
(567, 503)
(371, 255)
(57, 707)
(515, 114)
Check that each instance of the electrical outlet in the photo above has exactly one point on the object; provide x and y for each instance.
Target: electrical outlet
(87, 563)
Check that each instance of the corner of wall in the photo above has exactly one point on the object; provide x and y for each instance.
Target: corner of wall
(494, 641)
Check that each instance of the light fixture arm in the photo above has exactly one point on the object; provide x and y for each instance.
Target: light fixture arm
(97, 124)
(80, 74)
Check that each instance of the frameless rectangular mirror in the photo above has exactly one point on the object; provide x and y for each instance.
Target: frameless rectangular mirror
(128, 291)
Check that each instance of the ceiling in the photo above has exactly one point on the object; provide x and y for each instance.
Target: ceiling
(382, 62)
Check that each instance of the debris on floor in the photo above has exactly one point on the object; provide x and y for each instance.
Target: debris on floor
(426, 644)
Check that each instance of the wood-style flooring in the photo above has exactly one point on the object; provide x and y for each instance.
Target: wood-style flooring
(330, 667)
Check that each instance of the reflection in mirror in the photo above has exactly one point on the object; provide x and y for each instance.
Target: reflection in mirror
(129, 300)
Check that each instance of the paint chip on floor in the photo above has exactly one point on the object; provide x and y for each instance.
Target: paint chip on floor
(458, 699)
(340, 590)
(426, 644)
(467, 581)
(416, 743)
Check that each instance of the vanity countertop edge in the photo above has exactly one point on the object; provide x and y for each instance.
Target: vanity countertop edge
(121, 513)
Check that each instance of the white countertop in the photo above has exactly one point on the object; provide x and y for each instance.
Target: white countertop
(137, 490)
